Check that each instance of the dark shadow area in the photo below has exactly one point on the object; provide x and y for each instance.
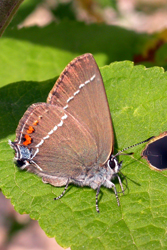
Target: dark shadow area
(15, 98)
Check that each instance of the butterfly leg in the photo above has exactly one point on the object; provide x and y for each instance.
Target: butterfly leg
(120, 183)
(57, 198)
(97, 193)
(116, 195)
(109, 184)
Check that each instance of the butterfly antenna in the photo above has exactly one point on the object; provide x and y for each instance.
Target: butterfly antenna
(120, 152)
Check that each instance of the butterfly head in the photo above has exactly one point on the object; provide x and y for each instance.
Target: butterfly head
(22, 155)
(114, 165)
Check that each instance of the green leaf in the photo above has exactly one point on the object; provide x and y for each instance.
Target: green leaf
(64, 10)
(137, 99)
(106, 3)
(27, 52)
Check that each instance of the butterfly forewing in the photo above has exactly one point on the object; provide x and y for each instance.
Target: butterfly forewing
(80, 91)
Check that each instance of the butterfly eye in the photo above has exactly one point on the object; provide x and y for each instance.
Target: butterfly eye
(20, 163)
(112, 163)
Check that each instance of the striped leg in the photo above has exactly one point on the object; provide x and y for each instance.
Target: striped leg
(116, 195)
(109, 184)
(120, 183)
(97, 193)
(57, 198)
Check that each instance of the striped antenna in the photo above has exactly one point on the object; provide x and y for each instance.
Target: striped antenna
(120, 152)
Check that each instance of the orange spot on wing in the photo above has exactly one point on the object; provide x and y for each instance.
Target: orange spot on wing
(27, 141)
(30, 130)
(35, 122)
